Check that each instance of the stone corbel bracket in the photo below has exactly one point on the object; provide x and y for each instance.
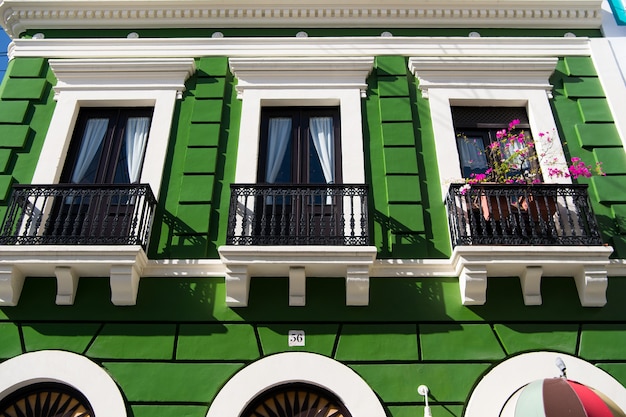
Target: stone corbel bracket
(123, 265)
(586, 264)
(244, 262)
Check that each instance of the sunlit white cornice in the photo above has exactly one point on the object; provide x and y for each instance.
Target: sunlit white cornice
(299, 47)
(21, 15)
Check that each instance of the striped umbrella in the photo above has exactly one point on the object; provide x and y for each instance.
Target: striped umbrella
(561, 397)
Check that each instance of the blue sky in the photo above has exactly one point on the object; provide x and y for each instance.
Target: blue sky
(4, 42)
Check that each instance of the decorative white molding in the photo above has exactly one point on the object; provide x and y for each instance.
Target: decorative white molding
(21, 15)
(122, 74)
(66, 368)
(123, 264)
(301, 73)
(284, 368)
(300, 47)
(297, 262)
(586, 264)
(488, 72)
(497, 392)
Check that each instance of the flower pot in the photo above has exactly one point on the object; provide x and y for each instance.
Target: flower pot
(539, 207)
(495, 207)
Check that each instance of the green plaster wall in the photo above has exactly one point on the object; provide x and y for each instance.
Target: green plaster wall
(585, 123)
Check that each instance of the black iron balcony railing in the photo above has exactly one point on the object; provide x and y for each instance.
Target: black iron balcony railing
(272, 214)
(72, 214)
(508, 214)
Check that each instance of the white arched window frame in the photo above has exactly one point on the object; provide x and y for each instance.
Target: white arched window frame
(496, 392)
(66, 368)
(283, 368)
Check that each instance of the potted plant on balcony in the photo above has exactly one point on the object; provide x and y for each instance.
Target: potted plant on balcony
(513, 159)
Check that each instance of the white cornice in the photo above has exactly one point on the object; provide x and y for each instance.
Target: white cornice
(483, 72)
(21, 15)
(299, 47)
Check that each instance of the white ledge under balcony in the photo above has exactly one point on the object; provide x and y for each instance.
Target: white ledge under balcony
(529, 231)
(297, 230)
(72, 230)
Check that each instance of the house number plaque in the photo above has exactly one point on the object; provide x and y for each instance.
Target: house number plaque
(296, 337)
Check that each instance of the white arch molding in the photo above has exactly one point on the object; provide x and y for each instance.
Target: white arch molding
(66, 368)
(288, 367)
(495, 394)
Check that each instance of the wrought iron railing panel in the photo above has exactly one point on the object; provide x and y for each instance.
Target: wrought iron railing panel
(73, 214)
(272, 214)
(511, 214)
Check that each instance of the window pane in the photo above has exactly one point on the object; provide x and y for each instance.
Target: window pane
(472, 155)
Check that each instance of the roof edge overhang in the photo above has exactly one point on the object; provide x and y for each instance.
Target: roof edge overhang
(22, 15)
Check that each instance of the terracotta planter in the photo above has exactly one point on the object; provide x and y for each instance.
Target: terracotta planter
(495, 207)
(539, 207)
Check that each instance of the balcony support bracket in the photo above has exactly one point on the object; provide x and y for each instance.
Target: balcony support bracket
(357, 285)
(124, 285)
(297, 286)
(11, 283)
(237, 286)
(531, 285)
(592, 282)
(67, 284)
(473, 284)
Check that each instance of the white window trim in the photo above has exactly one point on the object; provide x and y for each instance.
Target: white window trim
(284, 368)
(66, 368)
(312, 81)
(504, 82)
(100, 83)
(496, 392)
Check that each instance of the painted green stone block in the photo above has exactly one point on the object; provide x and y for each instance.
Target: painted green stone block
(10, 345)
(377, 342)
(616, 370)
(194, 217)
(609, 189)
(24, 88)
(448, 382)
(6, 182)
(26, 67)
(217, 341)
(200, 161)
(318, 338)
(400, 160)
(74, 337)
(197, 188)
(171, 382)
(603, 341)
(595, 110)
(418, 410)
(13, 136)
(391, 65)
(403, 188)
(209, 88)
(579, 66)
(212, 67)
(207, 110)
(204, 134)
(395, 134)
(407, 217)
(619, 211)
(528, 337)
(390, 86)
(408, 245)
(583, 87)
(613, 160)
(169, 410)
(395, 109)
(5, 158)
(442, 341)
(597, 134)
(13, 111)
(134, 341)
(187, 245)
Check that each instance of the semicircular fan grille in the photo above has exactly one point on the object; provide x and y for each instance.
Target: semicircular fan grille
(45, 401)
(296, 400)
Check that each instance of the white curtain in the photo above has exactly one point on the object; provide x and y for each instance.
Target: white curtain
(323, 140)
(90, 143)
(135, 139)
(472, 153)
(279, 135)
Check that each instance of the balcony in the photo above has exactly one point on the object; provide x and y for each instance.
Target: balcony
(71, 214)
(269, 214)
(507, 214)
(297, 231)
(528, 231)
